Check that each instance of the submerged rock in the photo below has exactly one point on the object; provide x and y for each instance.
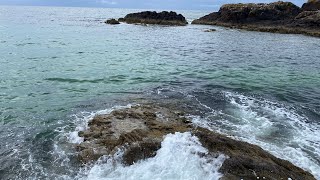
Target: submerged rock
(112, 21)
(210, 30)
(152, 17)
(138, 131)
(280, 17)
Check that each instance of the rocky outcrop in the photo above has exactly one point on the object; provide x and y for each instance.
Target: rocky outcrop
(309, 19)
(247, 161)
(311, 5)
(152, 17)
(251, 13)
(112, 21)
(280, 17)
(139, 131)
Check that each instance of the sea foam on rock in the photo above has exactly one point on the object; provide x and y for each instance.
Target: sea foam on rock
(140, 131)
(181, 156)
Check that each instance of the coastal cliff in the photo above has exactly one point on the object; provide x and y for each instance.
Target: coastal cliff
(279, 17)
(139, 130)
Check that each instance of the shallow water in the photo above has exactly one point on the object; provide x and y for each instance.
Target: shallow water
(59, 66)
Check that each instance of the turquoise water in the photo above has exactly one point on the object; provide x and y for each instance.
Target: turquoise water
(59, 64)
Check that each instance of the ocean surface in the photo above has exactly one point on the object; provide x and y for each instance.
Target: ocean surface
(61, 66)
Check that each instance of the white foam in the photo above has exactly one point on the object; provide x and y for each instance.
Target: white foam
(181, 157)
(273, 126)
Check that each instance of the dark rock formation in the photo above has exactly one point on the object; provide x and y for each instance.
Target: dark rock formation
(309, 19)
(280, 17)
(250, 13)
(139, 130)
(311, 5)
(152, 17)
(112, 21)
(247, 161)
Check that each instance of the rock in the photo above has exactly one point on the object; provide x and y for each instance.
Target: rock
(152, 17)
(138, 131)
(136, 128)
(210, 30)
(311, 5)
(247, 161)
(258, 12)
(278, 17)
(250, 13)
(310, 19)
(121, 20)
(112, 21)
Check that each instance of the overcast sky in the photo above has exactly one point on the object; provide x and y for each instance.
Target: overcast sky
(137, 4)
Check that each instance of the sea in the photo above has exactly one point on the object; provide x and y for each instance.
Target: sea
(61, 66)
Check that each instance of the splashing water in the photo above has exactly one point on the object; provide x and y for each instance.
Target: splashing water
(181, 156)
(273, 126)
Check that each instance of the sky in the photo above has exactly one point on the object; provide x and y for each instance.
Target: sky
(138, 4)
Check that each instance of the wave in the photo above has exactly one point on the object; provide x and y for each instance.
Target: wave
(275, 127)
(82, 119)
(70, 80)
(279, 129)
(181, 156)
(113, 79)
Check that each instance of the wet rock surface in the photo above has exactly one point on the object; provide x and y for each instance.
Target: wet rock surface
(152, 17)
(247, 161)
(138, 131)
(279, 17)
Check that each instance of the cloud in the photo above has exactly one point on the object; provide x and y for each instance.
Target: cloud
(108, 2)
(210, 5)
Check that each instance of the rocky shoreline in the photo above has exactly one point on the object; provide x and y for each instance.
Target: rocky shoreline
(139, 130)
(277, 17)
